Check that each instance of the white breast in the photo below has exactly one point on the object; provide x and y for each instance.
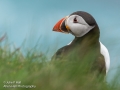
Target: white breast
(69, 43)
(105, 53)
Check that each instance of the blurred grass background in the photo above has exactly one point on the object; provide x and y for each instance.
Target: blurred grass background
(34, 68)
(27, 20)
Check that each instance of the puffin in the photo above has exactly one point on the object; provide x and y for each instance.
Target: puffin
(86, 44)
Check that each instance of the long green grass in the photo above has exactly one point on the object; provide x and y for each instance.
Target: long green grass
(33, 71)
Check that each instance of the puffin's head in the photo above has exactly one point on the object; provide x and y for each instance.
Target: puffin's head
(78, 23)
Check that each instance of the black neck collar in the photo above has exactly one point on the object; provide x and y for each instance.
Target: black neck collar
(91, 37)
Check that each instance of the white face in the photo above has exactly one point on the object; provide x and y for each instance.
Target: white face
(78, 25)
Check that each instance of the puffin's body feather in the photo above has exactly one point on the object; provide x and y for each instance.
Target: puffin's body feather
(105, 53)
(86, 44)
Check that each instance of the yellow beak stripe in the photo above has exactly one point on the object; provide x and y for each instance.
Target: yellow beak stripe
(67, 27)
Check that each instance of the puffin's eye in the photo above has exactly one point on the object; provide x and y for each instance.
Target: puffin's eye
(75, 20)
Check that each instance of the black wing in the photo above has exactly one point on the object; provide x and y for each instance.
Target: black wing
(100, 67)
(60, 53)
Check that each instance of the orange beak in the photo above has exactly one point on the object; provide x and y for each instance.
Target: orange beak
(60, 26)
